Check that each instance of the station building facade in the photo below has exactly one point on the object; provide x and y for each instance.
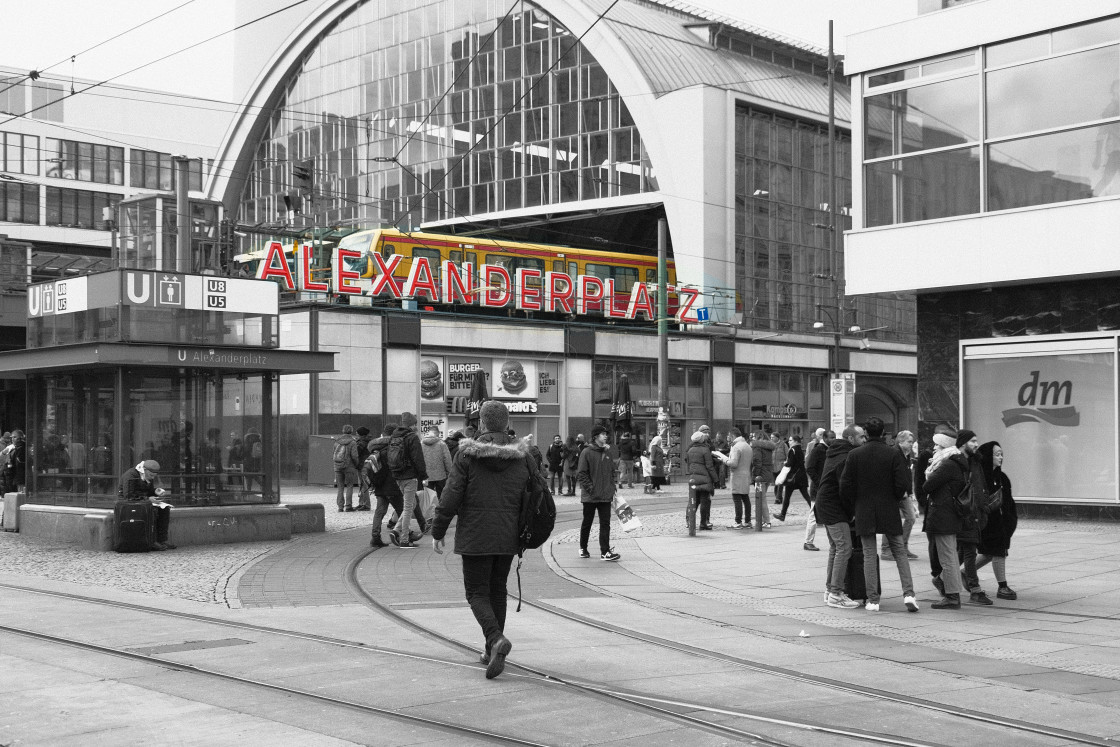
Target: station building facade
(987, 181)
(579, 124)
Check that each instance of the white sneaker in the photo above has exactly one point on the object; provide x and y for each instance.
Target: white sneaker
(841, 601)
(871, 606)
(910, 602)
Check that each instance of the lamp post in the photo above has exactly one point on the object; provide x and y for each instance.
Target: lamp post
(835, 367)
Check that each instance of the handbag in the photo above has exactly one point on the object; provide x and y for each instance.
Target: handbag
(962, 503)
(781, 478)
(995, 500)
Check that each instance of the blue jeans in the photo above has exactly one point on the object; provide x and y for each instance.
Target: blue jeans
(871, 565)
(839, 552)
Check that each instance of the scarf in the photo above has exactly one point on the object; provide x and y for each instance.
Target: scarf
(939, 457)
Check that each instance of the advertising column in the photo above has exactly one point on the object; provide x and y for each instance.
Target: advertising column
(842, 388)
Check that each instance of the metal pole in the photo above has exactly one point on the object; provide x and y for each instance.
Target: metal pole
(663, 329)
(183, 215)
(662, 315)
(833, 265)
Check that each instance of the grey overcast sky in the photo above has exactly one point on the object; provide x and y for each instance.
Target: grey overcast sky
(45, 34)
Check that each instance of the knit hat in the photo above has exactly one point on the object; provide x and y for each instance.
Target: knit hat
(494, 416)
(944, 440)
(705, 429)
(699, 436)
(964, 437)
(597, 430)
(363, 431)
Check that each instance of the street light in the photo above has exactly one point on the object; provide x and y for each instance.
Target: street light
(835, 334)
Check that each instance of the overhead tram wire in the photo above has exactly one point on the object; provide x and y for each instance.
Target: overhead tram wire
(95, 46)
(514, 106)
(160, 59)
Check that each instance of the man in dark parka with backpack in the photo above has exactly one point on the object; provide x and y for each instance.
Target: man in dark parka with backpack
(485, 489)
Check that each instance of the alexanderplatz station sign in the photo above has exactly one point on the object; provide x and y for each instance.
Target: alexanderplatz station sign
(493, 286)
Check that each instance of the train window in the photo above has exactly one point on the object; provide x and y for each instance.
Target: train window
(651, 276)
(387, 249)
(600, 271)
(557, 265)
(572, 270)
(432, 255)
(531, 264)
(456, 256)
(624, 279)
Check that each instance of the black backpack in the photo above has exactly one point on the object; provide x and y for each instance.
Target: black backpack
(396, 456)
(538, 516)
(538, 510)
(375, 468)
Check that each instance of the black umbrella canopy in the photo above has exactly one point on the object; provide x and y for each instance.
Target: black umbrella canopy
(622, 409)
(477, 397)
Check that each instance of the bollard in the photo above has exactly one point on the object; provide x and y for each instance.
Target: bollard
(758, 507)
(690, 511)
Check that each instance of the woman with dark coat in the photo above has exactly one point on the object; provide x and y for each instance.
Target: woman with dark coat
(571, 464)
(702, 475)
(796, 479)
(656, 464)
(995, 538)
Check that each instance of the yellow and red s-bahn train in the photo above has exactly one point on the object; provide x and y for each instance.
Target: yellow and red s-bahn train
(624, 269)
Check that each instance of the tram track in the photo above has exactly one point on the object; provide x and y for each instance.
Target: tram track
(676, 710)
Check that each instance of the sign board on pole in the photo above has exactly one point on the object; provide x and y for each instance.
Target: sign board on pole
(842, 401)
(702, 314)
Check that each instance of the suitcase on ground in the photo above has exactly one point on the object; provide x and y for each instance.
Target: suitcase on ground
(856, 584)
(135, 525)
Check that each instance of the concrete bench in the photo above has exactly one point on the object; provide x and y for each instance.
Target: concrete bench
(93, 528)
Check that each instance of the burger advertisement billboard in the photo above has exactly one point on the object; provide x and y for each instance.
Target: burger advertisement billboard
(514, 378)
(431, 379)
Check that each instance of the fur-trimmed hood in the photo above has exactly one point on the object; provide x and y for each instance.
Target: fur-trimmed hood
(498, 449)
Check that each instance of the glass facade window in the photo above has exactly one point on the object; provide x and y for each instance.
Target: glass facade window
(19, 153)
(204, 428)
(487, 108)
(152, 170)
(78, 208)
(782, 241)
(19, 203)
(1060, 88)
(68, 159)
(934, 185)
(937, 115)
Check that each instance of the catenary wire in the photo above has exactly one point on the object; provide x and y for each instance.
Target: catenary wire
(157, 60)
(16, 82)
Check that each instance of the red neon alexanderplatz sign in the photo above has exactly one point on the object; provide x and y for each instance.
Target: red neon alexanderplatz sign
(526, 288)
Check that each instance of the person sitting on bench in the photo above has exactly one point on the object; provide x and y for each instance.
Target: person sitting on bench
(139, 484)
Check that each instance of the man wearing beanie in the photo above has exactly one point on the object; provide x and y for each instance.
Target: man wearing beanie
(595, 475)
(484, 490)
(875, 480)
